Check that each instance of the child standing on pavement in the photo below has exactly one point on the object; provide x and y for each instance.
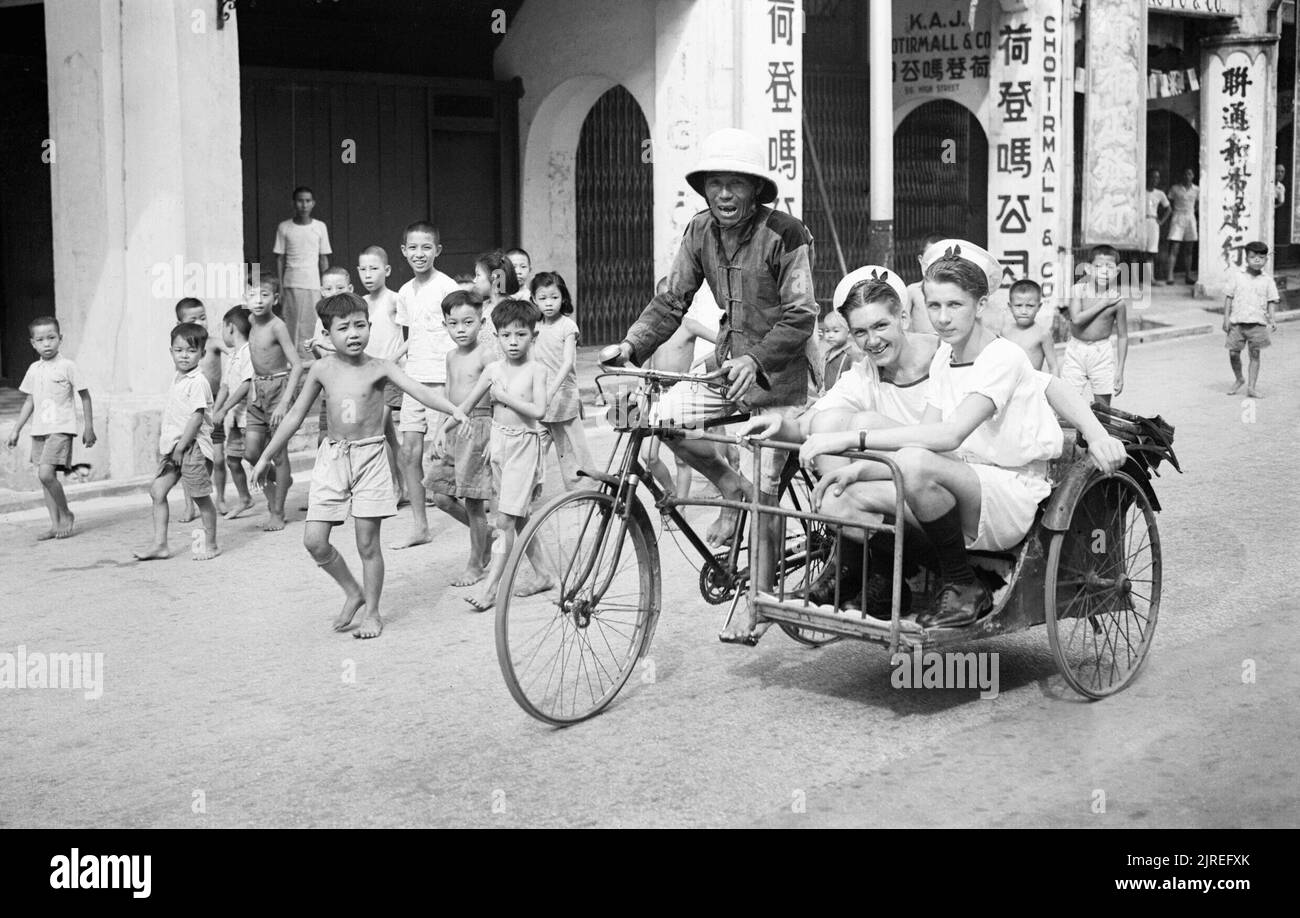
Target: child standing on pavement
(185, 446)
(231, 416)
(302, 250)
(1098, 309)
(191, 309)
(1025, 300)
(49, 385)
(352, 473)
(386, 341)
(459, 479)
(517, 386)
(277, 369)
(556, 349)
(1248, 316)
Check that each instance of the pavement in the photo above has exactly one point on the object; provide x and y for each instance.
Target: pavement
(227, 701)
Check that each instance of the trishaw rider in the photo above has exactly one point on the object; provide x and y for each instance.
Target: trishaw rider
(758, 264)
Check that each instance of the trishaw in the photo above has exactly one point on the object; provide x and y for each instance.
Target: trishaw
(1089, 568)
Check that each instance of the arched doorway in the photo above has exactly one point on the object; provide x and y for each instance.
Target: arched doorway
(933, 196)
(615, 217)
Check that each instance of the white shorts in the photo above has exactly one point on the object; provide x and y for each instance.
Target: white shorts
(1152, 235)
(351, 476)
(415, 416)
(1089, 367)
(689, 406)
(1009, 499)
(1182, 227)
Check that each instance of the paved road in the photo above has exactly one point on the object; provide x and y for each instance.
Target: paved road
(224, 689)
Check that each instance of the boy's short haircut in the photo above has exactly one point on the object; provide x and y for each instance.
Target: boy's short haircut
(953, 269)
(511, 311)
(1026, 285)
(871, 291)
(375, 250)
(196, 336)
(340, 306)
(494, 261)
(299, 190)
(422, 226)
(238, 316)
(337, 271)
(1104, 251)
(41, 322)
(189, 302)
(518, 251)
(1256, 248)
(258, 281)
(461, 298)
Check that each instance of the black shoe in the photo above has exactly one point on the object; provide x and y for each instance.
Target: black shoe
(822, 591)
(958, 605)
(880, 595)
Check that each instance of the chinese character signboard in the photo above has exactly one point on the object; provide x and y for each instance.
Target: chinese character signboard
(1220, 8)
(1234, 185)
(1114, 137)
(771, 55)
(1025, 158)
(941, 53)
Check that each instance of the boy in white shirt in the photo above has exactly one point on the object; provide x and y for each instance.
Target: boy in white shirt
(49, 384)
(1248, 315)
(231, 401)
(185, 446)
(302, 249)
(419, 311)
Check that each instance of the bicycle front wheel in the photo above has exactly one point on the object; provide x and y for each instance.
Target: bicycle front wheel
(567, 651)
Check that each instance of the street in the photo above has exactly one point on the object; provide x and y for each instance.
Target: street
(227, 701)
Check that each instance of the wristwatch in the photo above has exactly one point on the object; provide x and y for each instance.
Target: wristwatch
(862, 440)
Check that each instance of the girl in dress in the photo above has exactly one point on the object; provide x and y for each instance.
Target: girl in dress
(556, 348)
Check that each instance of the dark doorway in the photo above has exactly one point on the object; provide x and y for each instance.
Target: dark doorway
(933, 196)
(615, 217)
(26, 224)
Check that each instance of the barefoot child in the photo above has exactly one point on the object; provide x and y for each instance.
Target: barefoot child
(460, 481)
(1026, 298)
(191, 309)
(302, 250)
(1098, 308)
(517, 386)
(352, 473)
(556, 349)
(231, 416)
(185, 446)
(1248, 315)
(419, 311)
(386, 341)
(276, 371)
(49, 385)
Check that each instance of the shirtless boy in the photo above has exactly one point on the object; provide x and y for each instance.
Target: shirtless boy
(1026, 298)
(517, 386)
(277, 369)
(352, 473)
(459, 479)
(1098, 309)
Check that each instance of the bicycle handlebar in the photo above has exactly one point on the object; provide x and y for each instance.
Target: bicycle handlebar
(659, 375)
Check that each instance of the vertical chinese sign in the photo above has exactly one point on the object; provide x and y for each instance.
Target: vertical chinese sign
(1233, 187)
(771, 53)
(1114, 133)
(1024, 126)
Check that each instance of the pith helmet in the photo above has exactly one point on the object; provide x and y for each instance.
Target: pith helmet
(734, 150)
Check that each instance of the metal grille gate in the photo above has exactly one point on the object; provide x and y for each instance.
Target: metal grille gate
(615, 218)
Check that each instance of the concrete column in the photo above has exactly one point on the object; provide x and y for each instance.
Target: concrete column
(880, 35)
(146, 196)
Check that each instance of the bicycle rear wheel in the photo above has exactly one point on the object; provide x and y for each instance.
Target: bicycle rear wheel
(566, 652)
(808, 548)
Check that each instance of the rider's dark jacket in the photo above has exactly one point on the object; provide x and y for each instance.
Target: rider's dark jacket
(765, 290)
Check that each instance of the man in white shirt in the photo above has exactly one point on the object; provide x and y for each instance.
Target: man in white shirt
(302, 250)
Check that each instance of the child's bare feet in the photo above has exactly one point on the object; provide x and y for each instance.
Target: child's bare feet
(481, 603)
(188, 515)
(471, 576)
(1236, 387)
(533, 585)
(419, 537)
(233, 513)
(152, 553)
(220, 504)
(65, 526)
(370, 626)
(207, 554)
(1253, 393)
(47, 535)
(274, 522)
(351, 606)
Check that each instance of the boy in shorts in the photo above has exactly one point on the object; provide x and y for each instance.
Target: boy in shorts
(975, 468)
(49, 384)
(276, 371)
(352, 472)
(1248, 315)
(1026, 299)
(1098, 309)
(191, 309)
(185, 446)
(386, 341)
(419, 311)
(231, 400)
(517, 387)
(459, 479)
